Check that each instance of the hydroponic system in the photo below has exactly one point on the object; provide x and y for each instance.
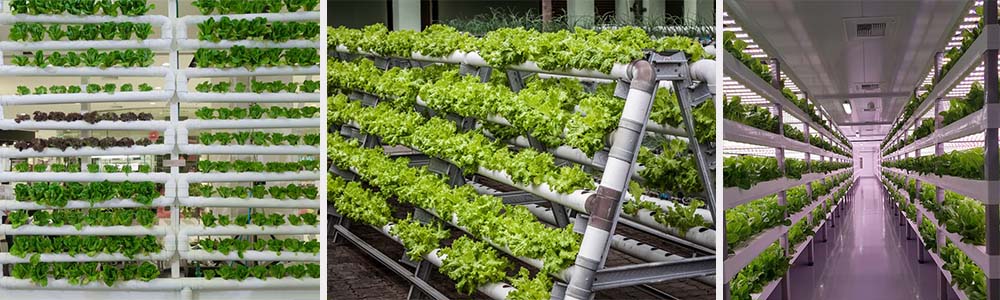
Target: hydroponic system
(208, 191)
(500, 161)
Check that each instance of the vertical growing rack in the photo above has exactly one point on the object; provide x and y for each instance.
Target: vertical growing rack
(749, 137)
(176, 234)
(918, 194)
(576, 208)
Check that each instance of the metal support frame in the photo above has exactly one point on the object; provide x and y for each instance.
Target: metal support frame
(668, 67)
(992, 170)
(656, 272)
(779, 155)
(415, 281)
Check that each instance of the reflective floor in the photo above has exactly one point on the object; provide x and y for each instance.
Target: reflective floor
(867, 256)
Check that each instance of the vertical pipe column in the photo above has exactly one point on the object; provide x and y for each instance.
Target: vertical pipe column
(992, 155)
(939, 147)
(174, 108)
(605, 204)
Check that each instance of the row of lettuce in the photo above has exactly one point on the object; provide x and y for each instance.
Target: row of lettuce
(737, 47)
(958, 107)
(746, 221)
(956, 214)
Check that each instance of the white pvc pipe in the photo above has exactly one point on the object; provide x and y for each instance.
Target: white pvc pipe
(10, 19)
(255, 203)
(191, 44)
(283, 97)
(249, 255)
(704, 70)
(85, 71)
(252, 124)
(83, 177)
(158, 44)
(160, 149)
(151, 96)
(7, 258)
(188, 231)
(9, 124)
(7, 229)
(170, 284)
(233, 72)
(247, 149)
(80, 204)
(250, 176)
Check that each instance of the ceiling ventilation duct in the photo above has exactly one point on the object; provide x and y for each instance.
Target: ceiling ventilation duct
(868, 28)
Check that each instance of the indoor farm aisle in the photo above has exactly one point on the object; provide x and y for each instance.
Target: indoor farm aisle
(498, 140)
(920, 140)
(128, 175)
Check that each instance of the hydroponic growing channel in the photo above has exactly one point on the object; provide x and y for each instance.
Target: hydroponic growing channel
(146, 177)
(482, 151)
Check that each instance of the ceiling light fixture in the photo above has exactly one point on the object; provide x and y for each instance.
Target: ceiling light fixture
(847, 107)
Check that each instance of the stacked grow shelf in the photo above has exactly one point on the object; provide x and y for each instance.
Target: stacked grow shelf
(775, 202)
(438, 115)
(945, 194)
(189, 270)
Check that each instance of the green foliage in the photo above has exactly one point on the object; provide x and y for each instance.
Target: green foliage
(81, 7)
(482, 216)
(260, 219)
(418, 238)
(252, 58)
(962, 163)
(206, 166)
(36, 32)
(255, 111)
(674, 169)
(241, 272)
(240, 246)
(438, 137)
(258, 28)
(89, 58)
(257, 138)
(235, 7)
(561, 50)
(358, 203)
(92, 217)
(964, 272)
(770, 265)
(83, 273)
(471, 264)
(258, 87)
(58, 194)
(74, 245)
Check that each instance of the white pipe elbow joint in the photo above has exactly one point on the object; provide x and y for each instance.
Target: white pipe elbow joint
(704, 70)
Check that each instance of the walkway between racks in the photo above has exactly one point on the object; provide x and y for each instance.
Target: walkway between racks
(867, 256)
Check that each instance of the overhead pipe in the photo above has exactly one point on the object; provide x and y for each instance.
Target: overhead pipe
(604, 206)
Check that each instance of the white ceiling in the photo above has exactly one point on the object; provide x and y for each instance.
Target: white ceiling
(810, 38)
